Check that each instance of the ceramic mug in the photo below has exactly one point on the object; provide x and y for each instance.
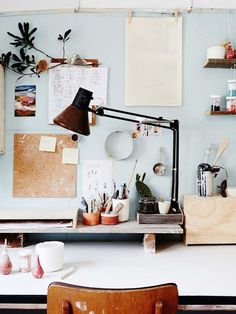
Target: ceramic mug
(124, 210)
(164, 207)
(51, 254)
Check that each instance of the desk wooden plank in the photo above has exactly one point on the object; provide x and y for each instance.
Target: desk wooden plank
(125, 227)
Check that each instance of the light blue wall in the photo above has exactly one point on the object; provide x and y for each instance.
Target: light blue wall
(102, 36)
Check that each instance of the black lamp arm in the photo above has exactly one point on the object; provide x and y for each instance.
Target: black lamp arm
(175, 166)
(153, 121)
(100, 111)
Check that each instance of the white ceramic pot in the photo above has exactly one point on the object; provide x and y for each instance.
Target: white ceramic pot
(124, 211)
(164, 207)
(51, 254)
(216, 52)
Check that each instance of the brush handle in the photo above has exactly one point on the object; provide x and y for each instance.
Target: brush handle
(222, 147)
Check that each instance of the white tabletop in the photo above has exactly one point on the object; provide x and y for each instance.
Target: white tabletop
(197, 270)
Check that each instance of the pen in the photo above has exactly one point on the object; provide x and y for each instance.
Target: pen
(68, 272)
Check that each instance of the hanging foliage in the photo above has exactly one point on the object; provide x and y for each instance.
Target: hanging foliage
(24, 63)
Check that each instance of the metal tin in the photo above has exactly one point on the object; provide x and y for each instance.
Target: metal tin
(215, 102)
(232, 88)
(231, 103)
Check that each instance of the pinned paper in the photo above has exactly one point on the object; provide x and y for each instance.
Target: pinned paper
(47, 143)
(70, 156)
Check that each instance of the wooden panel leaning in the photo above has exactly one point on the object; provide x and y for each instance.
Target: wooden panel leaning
(65, 298)
(210, 220)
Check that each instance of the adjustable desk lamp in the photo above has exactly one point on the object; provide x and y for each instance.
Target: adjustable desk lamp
(75, 118)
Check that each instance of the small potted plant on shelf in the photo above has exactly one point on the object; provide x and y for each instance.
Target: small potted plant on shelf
(148, 203)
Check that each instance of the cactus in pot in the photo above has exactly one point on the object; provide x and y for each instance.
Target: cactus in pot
(142, 189)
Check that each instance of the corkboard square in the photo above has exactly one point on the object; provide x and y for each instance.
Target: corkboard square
(39, 173)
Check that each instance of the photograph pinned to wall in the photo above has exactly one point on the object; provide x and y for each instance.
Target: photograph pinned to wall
(145, 131)
(25, 101)
(97, 181)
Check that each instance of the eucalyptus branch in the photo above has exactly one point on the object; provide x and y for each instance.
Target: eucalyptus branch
(39, 50)
(23, 62)
(14, 71)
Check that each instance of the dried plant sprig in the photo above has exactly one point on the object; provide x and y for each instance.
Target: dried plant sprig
(64, 39)
(27, 39)
(24, 63)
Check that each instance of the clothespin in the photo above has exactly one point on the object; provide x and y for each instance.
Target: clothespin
(130, 17)
(176, 15)
(77, 9)
(190, 7)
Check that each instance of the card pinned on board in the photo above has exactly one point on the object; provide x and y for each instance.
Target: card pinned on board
(70, 156)
(47, 144)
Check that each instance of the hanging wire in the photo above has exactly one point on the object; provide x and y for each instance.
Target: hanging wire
(147, 10)
(229, 26)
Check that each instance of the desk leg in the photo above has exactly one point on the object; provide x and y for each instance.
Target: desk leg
(149, 242)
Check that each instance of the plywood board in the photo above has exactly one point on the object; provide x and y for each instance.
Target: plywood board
(210, 220)
(39, 173)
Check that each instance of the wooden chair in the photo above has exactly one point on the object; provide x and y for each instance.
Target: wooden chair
(65, 298)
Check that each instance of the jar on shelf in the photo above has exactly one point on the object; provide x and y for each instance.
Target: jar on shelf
(25, 261)
(231, 103)
(215, 102)
(232, 88)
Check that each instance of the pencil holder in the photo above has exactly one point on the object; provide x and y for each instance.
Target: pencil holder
(109, 219)
(123, 209)
(91, 219)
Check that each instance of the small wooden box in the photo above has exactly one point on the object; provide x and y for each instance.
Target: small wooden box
(175, 218)
(210, 220)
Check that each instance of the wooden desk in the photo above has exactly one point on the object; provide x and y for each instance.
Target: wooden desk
(199, 271)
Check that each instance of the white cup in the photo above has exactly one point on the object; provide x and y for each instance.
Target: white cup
(164, 207)
(51, 255)
(216, 52)
(124, 211)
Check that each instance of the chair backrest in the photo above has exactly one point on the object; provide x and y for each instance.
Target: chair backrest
(65, 298)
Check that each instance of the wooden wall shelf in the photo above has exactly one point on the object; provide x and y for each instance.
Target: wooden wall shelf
(220, 63)
(130, 227)
(221, 113)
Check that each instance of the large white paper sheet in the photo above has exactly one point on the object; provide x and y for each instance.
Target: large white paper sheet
(64, 82)
(153, 71)
(97, 181)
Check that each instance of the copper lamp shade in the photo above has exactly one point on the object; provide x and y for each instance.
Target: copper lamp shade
(75, 117)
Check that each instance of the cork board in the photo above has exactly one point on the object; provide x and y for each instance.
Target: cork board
(39, 173)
